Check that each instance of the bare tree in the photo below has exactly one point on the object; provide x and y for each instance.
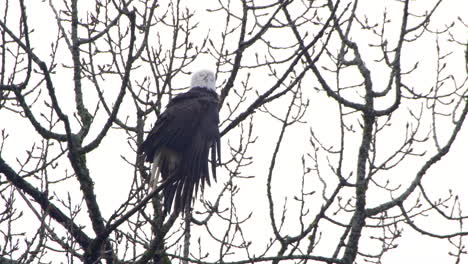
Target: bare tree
(333, 113)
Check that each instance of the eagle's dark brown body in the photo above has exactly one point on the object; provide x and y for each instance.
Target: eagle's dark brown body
(179, 145)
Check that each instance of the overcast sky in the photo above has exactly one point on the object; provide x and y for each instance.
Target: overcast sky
(108, 167)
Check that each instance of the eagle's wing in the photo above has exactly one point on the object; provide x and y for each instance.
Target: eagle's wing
(194, 170)
(182, 137)
(173, 127)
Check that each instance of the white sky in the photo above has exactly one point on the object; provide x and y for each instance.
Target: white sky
(108, 167)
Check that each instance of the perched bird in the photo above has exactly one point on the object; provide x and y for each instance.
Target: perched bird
(180, 142)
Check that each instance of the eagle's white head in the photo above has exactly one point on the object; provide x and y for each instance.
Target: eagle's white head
(204, 79)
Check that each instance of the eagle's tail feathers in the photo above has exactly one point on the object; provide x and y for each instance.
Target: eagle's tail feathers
(213, 163)
(169, 192)
(218, 150)
(155, 171)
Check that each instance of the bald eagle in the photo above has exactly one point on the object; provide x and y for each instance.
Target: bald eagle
(180, 142)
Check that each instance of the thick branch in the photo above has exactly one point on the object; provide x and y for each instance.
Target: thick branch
(417, 180)
(43, 200)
